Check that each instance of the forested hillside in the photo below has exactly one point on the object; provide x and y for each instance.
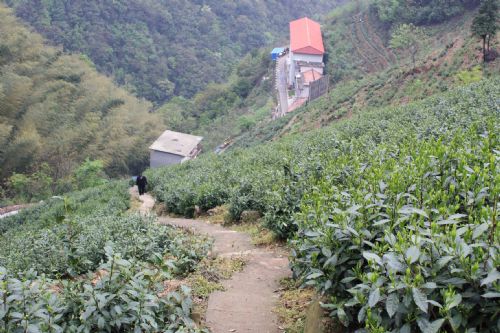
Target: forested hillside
(367, 73)
(158, 48)
(363, 70)
(56, 109)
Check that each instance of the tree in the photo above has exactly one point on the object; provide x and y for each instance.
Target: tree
(485, 24)
(407, 37)
(90, 174)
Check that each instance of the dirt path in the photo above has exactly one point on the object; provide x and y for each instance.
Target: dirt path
(250, 295)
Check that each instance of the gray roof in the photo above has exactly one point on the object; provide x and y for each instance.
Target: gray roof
(176, 143)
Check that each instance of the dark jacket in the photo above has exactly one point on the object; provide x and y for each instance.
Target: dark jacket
(141, 181)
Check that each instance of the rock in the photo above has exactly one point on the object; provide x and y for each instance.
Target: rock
(248, 216)
(197, 211)
(313, 318)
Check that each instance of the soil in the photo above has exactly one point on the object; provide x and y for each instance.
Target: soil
(247, 303)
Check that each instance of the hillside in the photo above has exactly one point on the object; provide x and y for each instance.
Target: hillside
(377, 204)
(390, 214)
(56, 109)
(159, 49)
(365, 71)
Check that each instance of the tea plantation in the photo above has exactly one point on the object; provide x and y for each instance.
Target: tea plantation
(391, 214)
(82, 264)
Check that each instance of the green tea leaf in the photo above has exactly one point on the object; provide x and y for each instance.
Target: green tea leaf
(428, 327)
(374, 297)
(392, 304)
(412, 254)
(373, 257)
(420, 299)
(492, 277)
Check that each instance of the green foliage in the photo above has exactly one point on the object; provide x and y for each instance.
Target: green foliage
(33, 187)
(67, 237)
(406, 222)
(385, 210)
(161, 49)
(475, 74)
(407, 37)
(56, 109)
(486, 21)
(127, 297)
(61, 271)
(90, 174)
(485, 24)
(224, 110)
(422, 12)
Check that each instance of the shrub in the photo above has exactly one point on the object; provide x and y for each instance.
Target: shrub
(391, 214)
(127, 296)
(409, 240)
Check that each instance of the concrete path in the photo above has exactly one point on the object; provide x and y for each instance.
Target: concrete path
(147, 201)
(14, 212)
(248, 300)
(281, 86)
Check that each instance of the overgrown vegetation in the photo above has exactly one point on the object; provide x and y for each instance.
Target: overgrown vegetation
(293, 305)
(162, 49)
(228, 109)
(56, 109)
(398, 202)
(82, 264)
(423, 12)
(364, 70)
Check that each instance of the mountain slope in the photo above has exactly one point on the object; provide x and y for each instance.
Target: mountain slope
(366, 74)
(368, 202)
(159, 48)
(56, 109)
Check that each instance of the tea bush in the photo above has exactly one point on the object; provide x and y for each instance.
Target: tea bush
(83, 264)
(110, 199)
(127, 297)
(408, 239)
(69, 236)
(258, 179)
(391, 214)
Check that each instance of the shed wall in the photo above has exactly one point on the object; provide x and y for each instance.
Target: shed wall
(158, 159)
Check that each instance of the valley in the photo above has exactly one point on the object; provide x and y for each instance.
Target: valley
(371, 207)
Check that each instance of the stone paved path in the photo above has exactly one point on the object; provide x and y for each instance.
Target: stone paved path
(250, 295)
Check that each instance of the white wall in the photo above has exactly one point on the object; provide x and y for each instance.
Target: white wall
(301, 57)
(158, 159)
(307, 57)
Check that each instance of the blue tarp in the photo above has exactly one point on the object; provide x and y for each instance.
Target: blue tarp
(276, 51)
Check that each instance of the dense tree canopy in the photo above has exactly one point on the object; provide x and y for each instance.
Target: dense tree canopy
(56, 109)
(485, 24)
(420, 12)
(160, 48)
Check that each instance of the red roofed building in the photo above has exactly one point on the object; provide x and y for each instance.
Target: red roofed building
(305, 37)
(306, 47)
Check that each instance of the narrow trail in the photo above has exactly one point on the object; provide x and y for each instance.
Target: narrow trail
(249, 297)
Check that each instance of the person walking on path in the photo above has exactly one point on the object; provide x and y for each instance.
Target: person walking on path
(141, 182)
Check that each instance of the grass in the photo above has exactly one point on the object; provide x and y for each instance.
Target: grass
(217, 215)
(208, 278)
(298, 310)
(293, 305)
(260, 235)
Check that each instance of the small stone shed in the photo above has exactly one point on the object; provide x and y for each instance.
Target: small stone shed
(173, 148)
